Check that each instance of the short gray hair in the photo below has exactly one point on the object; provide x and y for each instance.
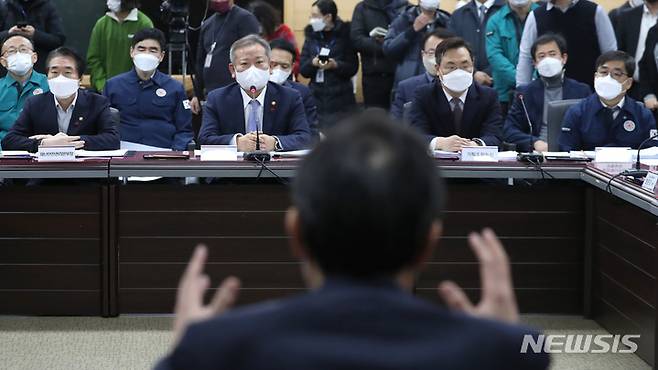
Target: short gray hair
(249, 40)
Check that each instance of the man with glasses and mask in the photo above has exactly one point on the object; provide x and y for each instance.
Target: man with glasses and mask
(66, 115)
(406, 88)
(276, 112)
(609, 117)
(21, 81)
(454, 112)
(154, 108)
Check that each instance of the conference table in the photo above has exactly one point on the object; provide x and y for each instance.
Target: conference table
(87, 242)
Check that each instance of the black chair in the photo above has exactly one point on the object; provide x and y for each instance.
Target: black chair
(555, 116)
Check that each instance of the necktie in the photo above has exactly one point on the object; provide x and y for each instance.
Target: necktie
(457, 113)
(252, 122)
(483, 13)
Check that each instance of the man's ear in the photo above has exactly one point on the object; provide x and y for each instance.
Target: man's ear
(3, 62)
(231, 69)
(132, 51)
(565, 57)
(629, 82)
(162, 55)
(35, 57)
(433, 236)
(293, 229)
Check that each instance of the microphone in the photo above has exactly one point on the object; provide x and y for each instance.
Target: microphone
(529, 157)
(257, 155)
(638, 172)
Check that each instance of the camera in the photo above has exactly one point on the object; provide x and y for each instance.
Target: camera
(176, 13)
(323, 56)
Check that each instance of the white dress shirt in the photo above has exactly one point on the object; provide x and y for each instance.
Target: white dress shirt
(64, 116)
(246, 99)
(648, 20)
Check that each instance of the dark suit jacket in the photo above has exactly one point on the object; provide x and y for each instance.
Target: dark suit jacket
(283, 116)
(648, 68)
(628, 30)
(351, 325)
(431, 114)
(404, 93)
(310, 107)
(91, 120)
(516, 125)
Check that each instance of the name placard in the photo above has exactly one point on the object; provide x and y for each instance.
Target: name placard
(613, 155)
(650, 181)
(480, 154)
(59, 153)
(219, 153)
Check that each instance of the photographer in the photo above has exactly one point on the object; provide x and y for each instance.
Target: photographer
(329, 60)
(36, 19)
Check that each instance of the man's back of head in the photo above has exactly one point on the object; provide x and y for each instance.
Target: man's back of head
(367, 197)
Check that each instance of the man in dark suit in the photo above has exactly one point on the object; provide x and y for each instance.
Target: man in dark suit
(632, 33)
(549, 55)
(366, 217)
(65, 115)
(234, 113)
(282, 62)
(454, 112)
(406, 89)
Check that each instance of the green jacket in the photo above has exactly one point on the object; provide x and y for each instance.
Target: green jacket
(503, 50)
(11, 104)
(109, 46)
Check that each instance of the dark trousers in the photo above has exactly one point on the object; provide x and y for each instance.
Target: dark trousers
(377, 90)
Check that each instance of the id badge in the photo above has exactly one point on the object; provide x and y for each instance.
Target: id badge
(208, 62)
(319, 76)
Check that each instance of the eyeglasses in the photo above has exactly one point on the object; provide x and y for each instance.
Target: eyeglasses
(22, 50)
(616, 74)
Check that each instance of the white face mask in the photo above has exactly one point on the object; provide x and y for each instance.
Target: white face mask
(146, 62)
(607, 87)
(114, 5)
(430, 65)
(19, 63)
(253, 77)
(63, 87)
(279, 75)
(429, 4)
(317, 24)
(458, 80)
(519, 3)
(549, 67)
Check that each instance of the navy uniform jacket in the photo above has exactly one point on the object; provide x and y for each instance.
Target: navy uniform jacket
(283, 116)
(351, 325)
(404, 93)
(310, 107)
(155, 113)
(516, 126)
(584, 128)
(431, 114)
(91, 120)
